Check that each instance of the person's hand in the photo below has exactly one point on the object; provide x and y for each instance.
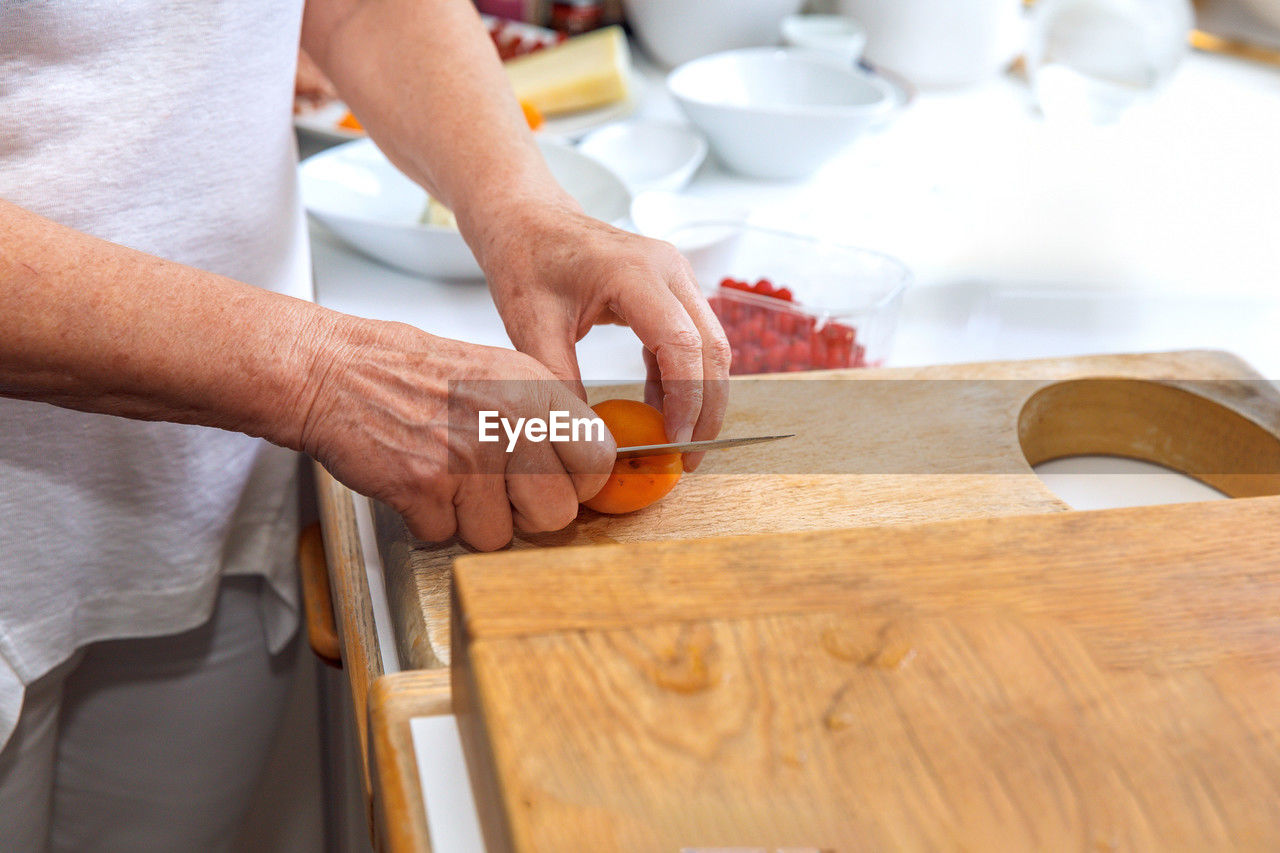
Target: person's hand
(555, 272)
(394, 415)
(311, 89)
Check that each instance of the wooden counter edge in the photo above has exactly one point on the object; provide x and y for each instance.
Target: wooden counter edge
(400, 819)
(477, 749)
(352, 604)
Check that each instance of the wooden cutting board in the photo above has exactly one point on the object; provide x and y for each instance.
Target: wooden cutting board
(903, 446)
(1064, 681)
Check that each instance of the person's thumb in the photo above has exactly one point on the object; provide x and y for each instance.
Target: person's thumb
(557, 350)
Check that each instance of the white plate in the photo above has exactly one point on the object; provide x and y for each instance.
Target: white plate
(574, 125)
(354, 191)
(322, 123)
(647, 155)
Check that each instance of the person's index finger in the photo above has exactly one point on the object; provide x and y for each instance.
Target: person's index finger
(716, 360)
(667, 330)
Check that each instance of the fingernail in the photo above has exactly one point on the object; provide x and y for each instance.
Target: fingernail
(684, 433)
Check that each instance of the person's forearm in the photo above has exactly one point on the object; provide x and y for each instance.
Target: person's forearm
(426, 82)
(90, 325)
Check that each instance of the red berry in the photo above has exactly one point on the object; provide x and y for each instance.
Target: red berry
(817, 351)
(783, 293)
(798, 353)
(838, 332)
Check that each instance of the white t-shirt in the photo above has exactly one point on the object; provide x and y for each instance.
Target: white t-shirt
(164, 125)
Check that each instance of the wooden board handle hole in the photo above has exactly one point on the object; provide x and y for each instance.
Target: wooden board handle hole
(1155, 422)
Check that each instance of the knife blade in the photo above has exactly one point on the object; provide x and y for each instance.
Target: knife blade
(695, 446)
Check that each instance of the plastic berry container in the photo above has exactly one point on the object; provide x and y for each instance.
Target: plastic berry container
(790, 302)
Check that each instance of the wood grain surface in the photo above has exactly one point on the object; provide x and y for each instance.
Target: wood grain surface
(694, 641)
(349, 585)
(1106, 680)
(906, 445)
(400, 821)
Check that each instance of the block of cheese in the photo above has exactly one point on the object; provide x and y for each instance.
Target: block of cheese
(587, 71)
(435, 213)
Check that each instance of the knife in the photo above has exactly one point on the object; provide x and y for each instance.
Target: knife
(695, 446)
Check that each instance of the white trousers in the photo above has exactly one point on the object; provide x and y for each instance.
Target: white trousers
(150, 744)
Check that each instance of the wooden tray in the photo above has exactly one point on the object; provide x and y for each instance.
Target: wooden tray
(896, 678)
(1083, 681)
(902, 446)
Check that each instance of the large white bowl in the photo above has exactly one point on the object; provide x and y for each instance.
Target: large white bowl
(676, 31)
(355, 191)
(778, 113)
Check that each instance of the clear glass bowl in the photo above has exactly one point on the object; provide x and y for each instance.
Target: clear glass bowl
(812, 304)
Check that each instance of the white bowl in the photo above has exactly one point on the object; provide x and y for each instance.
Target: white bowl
(778, 113)
(355, 191)
(647, 155)
(675, 31)
(837, 35)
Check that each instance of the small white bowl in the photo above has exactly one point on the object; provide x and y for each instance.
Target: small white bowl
(838, 36)
(669, 216)
(778, 112)
(647, 155)
(355, 191)
(659, 213)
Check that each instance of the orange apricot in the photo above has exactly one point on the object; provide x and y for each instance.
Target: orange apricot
(637, 482)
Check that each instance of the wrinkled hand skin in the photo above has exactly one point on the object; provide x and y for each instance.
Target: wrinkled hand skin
(555, 272)
(379, 421)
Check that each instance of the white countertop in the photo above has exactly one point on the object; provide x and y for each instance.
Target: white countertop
(1026, 239)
